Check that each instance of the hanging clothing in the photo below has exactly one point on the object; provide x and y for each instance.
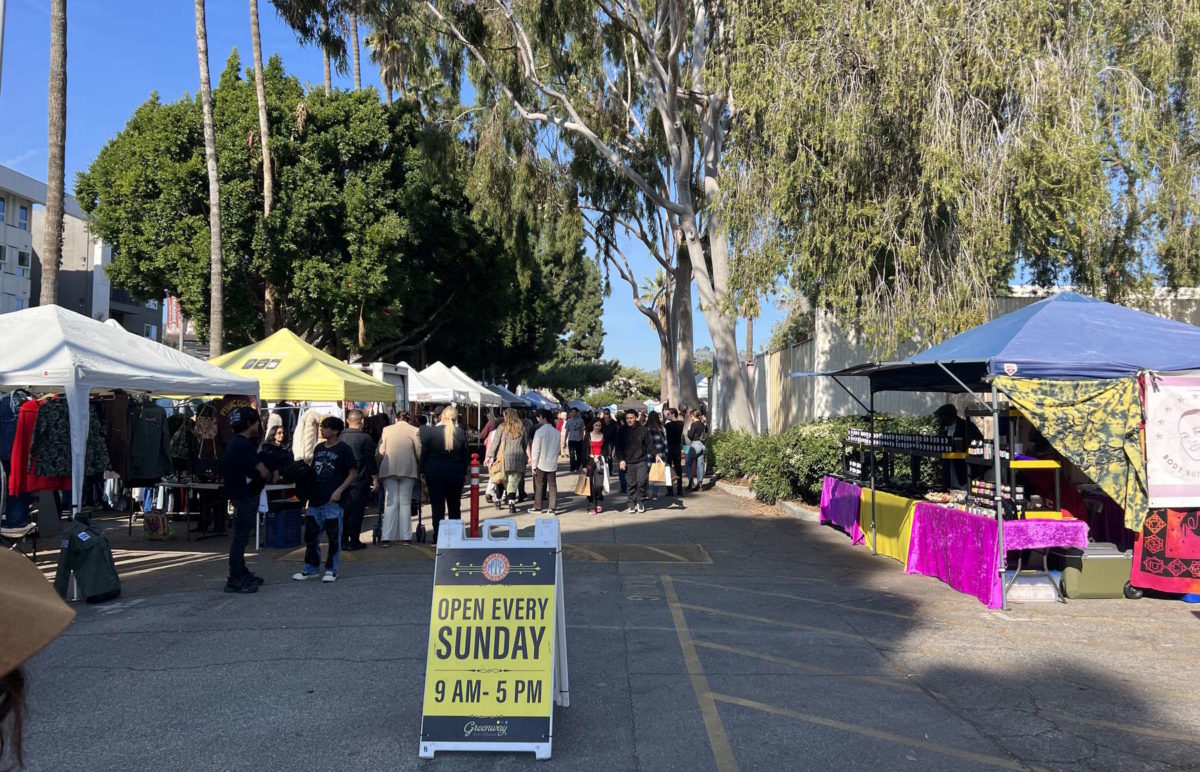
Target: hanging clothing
(50, 448)
(21, 478)
(9, 406)
(115, 415)
(150, 445)
(308, 434)
(85, 551)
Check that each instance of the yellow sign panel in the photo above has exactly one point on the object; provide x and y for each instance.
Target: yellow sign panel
(491, 650)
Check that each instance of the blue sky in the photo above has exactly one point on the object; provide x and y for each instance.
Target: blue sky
(119, 51)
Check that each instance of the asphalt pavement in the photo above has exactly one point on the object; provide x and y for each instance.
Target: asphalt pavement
(709, 633)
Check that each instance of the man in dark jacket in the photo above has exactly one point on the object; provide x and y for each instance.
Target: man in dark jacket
(243, 476)
(674, 431)
(367, 479)
(634, 449)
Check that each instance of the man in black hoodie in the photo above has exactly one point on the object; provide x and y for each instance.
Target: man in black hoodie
(634, 449)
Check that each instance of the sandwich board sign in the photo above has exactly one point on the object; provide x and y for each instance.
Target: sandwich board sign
(497, 657)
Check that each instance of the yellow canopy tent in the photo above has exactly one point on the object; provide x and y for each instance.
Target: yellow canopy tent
(287, 368)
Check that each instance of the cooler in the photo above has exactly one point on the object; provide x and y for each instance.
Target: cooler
(284, 523)
(1101, 571)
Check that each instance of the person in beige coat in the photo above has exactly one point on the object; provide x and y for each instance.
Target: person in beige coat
(398, 457)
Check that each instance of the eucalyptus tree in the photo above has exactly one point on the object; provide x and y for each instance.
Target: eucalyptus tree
(625, 86)
(899, 160)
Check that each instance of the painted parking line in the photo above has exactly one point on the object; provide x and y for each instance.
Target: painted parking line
(717, 739)
(1158, 734)
(876, 734)
(776, 623)
(891, 683)
(799, 598)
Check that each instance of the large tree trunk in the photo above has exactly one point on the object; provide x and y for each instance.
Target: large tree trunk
(354, 52)
(325, 57)
(216, 310)
(270, 294)
(749, 339)
(51, 257)
(681, 317)
(387, 90)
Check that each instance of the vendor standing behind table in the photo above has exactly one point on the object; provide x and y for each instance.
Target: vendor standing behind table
(954, 473)
(243, 476)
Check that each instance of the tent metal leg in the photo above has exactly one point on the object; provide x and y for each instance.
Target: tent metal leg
(999, 495)
(872, 410)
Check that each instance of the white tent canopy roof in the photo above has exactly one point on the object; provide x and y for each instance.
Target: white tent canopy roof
(485, 393)
(444, 376)
(508, 399)
(50, 348)
(421, 389)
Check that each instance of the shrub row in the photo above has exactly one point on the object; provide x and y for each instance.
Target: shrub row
(792, 465)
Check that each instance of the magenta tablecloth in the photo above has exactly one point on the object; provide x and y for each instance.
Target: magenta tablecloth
(957, 547)
(960, 548)
(839, 506)
(1039, 534)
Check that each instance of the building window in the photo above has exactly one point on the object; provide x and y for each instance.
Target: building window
(23, 217)
(3, 251)
(152, 304)
(1, 210)
(22, 259)
(150, 331)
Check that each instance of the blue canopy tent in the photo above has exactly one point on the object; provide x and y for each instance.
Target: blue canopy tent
(1064, 337)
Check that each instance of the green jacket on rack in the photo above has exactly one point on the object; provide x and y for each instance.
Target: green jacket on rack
(85, 551)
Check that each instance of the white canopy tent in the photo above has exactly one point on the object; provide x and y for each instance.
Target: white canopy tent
(49, 348)
(454, 378)
(421, 389)
(508, 398)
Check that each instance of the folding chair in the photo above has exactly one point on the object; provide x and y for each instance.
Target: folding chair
(12, 538)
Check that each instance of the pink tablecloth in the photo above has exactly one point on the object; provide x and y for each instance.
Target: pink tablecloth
(839, 506)
(960, 548)
(957, 547)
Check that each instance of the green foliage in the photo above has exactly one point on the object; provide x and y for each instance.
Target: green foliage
(793, 328)
(375, 238)
(896, 161)
(793, 464)
(571, 381)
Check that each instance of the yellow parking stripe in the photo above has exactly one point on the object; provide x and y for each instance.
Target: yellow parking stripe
(800, 598)
(717, 739)
(891, 683)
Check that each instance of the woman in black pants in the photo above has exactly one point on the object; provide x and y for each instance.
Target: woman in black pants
(444, 458)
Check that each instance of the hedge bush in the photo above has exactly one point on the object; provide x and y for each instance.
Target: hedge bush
(793, 465)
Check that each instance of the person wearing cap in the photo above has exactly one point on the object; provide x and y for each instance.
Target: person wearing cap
(954, 473)
(243, 476)
(334, 471)
(33, 616)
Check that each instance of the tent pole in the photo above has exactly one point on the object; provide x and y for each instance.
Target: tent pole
(872, 411)
(998, 494)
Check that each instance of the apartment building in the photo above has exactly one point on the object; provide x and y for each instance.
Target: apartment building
(83, 284)
(17, 196)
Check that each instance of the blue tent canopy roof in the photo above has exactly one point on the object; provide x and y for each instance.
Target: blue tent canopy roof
(1066, 336)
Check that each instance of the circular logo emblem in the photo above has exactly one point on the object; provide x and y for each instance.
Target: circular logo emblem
(495, 567)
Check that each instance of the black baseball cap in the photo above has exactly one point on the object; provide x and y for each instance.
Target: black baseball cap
(241, 418)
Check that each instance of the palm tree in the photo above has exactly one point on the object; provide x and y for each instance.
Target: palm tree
(270, 300)
(56, 168)
(656, 295)
(317, 21)
(352, 17)
(216, 310)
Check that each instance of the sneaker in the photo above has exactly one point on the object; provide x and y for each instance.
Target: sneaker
(641, 508)
(307, 573)
(329, 577)
(535, 511)
(599, 509)
(258, 580)
(551, 512)
(632, 510)
(245, 587)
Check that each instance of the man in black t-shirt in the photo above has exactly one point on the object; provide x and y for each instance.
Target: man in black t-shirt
(333, 472)
(243, 476)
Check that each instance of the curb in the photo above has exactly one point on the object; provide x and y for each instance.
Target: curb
(741, 491)
(790, 508)
(800, 511)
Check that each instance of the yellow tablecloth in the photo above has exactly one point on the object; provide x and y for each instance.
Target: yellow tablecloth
(893, 523)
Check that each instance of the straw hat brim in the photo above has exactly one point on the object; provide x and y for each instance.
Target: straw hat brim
(33, 613)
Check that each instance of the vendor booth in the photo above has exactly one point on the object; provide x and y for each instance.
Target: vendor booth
(289, 369)
(453, 378)
(1065, 382)
(540, 401)
(508, 399)
(421, 390)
